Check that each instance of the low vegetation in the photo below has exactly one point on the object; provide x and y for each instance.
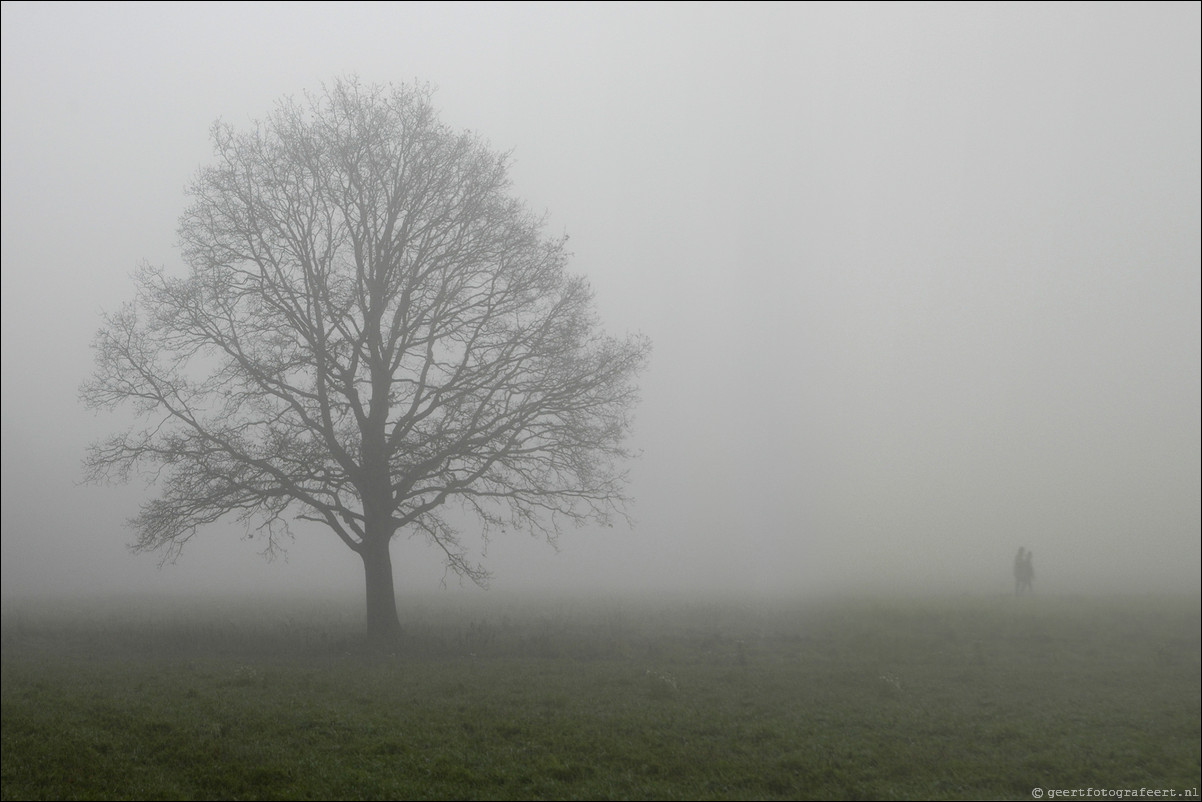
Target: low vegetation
(510, 699)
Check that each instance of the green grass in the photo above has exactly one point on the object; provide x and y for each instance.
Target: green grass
(906, 698)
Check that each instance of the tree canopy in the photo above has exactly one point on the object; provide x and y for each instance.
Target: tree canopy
(371, 332)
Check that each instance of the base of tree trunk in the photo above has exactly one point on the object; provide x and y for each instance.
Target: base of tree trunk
(383, 624)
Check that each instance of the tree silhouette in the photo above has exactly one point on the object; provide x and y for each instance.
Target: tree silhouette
(371, 334)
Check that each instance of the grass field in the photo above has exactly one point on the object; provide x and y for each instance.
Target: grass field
(909, 698)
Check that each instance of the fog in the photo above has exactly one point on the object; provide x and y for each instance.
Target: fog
(922, 280)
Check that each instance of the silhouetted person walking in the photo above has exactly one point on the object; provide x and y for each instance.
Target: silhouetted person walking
(1024, 571)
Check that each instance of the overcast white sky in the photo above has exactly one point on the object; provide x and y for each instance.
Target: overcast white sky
(922, 280)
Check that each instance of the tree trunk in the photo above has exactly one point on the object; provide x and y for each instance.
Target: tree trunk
(383, 626)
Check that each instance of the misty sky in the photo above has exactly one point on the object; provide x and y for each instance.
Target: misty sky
(922, 280)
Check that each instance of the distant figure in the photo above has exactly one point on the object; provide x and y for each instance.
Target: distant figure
(1024, 571)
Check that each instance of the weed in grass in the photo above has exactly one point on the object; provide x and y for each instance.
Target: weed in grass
(661, 685)
(890, 686)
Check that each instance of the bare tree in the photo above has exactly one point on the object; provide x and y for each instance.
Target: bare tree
(370, 327)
